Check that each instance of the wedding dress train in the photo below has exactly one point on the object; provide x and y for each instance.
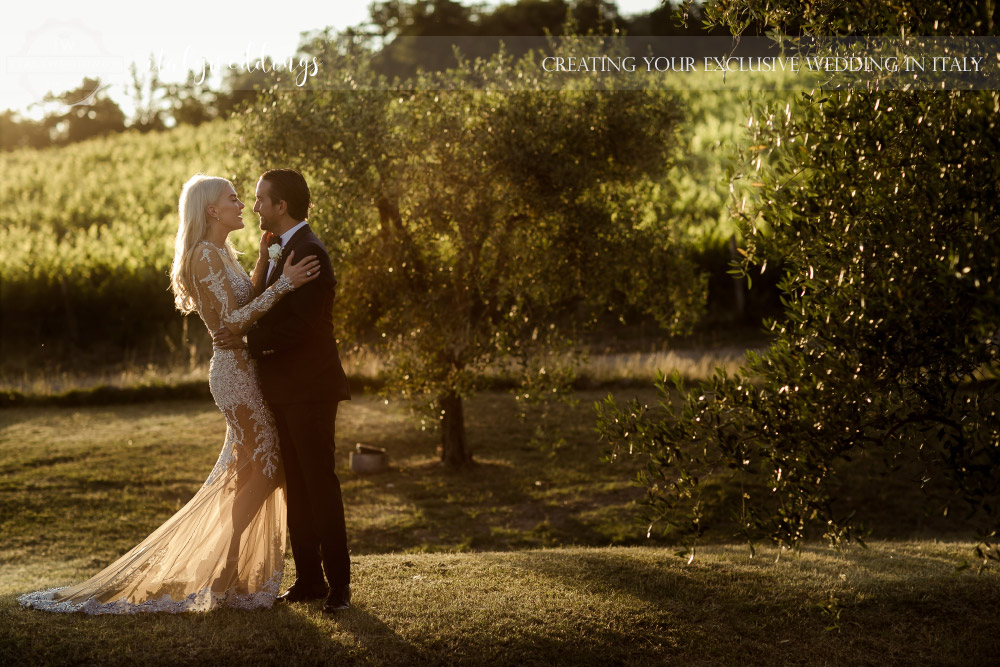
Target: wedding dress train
(226, 546)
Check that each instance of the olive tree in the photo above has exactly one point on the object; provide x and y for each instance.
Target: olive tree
(883, 209)
(477, 225)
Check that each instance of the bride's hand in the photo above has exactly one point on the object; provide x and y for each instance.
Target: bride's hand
(266, 239)
(305, 271)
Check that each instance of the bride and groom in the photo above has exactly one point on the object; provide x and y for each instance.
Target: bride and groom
(278, 388)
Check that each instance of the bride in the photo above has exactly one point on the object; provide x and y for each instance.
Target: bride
(226, 546)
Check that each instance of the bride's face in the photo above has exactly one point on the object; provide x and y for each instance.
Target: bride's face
(229, 211)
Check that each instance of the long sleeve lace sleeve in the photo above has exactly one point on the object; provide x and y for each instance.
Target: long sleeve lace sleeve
(217, 299)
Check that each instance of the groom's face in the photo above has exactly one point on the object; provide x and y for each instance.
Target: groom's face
(265, 207)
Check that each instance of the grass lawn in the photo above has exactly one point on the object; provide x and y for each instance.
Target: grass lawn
(531, 557)
(898, 604)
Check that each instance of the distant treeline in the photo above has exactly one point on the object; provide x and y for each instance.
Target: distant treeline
(160, 105)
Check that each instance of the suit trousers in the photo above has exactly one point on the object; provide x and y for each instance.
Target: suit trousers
(315, 505)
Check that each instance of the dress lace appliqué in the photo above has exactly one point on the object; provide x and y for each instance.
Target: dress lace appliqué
(225, 547)
(203, 600)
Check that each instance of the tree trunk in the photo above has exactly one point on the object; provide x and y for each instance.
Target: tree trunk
(454, 449)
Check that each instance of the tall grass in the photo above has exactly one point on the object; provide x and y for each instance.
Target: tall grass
(365, 368)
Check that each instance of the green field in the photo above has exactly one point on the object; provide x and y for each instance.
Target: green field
(86, 240)
(534, 556)
(86, 230)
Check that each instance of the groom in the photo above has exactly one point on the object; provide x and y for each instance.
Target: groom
(302, 381)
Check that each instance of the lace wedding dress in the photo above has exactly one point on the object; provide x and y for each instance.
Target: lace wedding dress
(226, 546)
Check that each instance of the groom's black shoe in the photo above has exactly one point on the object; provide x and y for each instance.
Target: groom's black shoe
(301, 592)
(339, 600)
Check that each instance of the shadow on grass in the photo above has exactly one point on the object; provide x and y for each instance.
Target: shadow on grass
(837, 617)
(571, 607)
(493, 505)
(282, 635)
(379, 641)
(522, 492)
(528, 489)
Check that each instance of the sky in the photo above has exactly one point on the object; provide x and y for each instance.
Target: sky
(50, 45)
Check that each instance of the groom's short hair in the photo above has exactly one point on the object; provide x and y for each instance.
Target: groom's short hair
(289, 186)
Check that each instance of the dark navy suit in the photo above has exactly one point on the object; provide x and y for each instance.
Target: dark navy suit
(303, 381)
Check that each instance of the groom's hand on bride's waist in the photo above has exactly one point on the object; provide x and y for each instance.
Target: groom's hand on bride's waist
(227, 340)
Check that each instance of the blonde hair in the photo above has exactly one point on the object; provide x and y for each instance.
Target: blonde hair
(198, 194)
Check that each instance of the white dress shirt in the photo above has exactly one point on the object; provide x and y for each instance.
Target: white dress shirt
(284, 238)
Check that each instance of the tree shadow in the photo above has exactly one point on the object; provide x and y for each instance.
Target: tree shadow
(834, 612)
(281, 635)
(519, 492)
(489, 506)
(380, 642)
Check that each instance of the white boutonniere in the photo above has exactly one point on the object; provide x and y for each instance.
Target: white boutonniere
(274, 252)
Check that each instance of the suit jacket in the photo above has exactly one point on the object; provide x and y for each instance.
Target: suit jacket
(293, 342)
